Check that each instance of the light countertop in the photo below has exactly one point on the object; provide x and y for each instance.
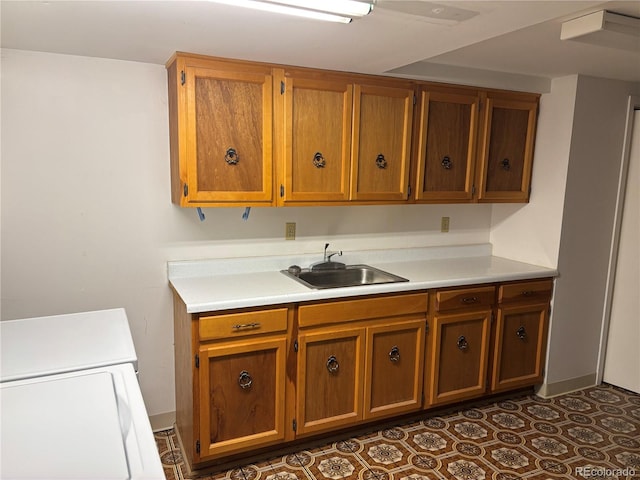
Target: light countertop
(211, 286)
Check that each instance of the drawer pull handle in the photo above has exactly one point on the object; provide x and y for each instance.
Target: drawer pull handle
(468, 300)
(241, 326)
(521, 333)
(332, 364)
(528, 293)
(231, 157)
(446, 163)
(506, 166)
(394, 354)
(245, 380)
(462, 343)
(381, 162)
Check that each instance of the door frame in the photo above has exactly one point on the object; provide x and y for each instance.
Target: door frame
(632, 106)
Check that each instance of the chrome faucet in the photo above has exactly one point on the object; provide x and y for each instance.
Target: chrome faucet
(328, 255)
(327, 263)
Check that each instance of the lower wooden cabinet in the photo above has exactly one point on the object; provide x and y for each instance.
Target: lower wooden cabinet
(394, 370)
(521, 335)
(255, 379)
(242, 392)
(330, 379)
(359, 360)
(460, 351)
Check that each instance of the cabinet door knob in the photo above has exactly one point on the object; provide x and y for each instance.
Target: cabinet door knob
(446, 163)
(521, 333)
(231, 156)
(332, 364)
(462, 343)
(505, 164)
(381, 162)
(318, 160)
(394, 354)
(245, 380)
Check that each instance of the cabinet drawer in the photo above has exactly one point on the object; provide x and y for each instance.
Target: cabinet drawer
(361, 309)
(464, 298)
(524, 291)
(241, 324)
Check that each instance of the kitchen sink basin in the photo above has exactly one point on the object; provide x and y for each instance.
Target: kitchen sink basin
(348, 276)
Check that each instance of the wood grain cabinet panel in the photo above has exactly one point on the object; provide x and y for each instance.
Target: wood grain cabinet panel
(506, 154)
(242, 391)
(394, 372)
(317, 137)
(521, 334)
(520, 346)
(330, 379)
(381, 142)
(460, 351)
(446, 152)
(221, 116)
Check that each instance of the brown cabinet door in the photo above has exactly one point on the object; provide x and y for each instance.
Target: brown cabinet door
(447, 146)
(520, 345)
(381, 143)
(228, 133)
(317, 139)
(329, 379)
(394, 370)
(459, 352)
(506, 157)
(242, 396)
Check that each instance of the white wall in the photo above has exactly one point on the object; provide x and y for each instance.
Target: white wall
(589, 209)
(87, 221)
(531, 232)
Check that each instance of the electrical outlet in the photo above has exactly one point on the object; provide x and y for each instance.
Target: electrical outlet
(444, 224)
(290, 231)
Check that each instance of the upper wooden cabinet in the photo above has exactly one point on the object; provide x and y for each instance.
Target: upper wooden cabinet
(317, 136)
(255, 134)
(381, 142)
(221, 132)
(474, 145)
(344, 140)
(506, 147)
(446, 152)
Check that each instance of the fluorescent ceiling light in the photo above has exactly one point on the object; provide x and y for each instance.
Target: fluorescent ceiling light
(341, 11)
(604, 28)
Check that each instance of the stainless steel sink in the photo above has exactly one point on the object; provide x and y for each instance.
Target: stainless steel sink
(349, 276)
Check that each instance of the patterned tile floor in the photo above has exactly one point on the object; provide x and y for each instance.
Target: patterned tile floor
(593, 433)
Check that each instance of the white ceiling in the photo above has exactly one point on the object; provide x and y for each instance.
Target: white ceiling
(506, 44)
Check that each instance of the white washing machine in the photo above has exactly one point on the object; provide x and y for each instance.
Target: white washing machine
(71, 406)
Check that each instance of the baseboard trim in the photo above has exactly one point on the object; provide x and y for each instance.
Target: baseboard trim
(548, 390)
(162, 421)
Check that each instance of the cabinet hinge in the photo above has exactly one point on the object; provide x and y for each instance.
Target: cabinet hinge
(185, 190)
(294, 425)
(183, 78)
(493, 317)
(197, 361)
(281, 190)
(409, 191)
(295, 345)
(197, 446)
(426, 327)
(473, 189)
(415, 99)
(281, 88)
